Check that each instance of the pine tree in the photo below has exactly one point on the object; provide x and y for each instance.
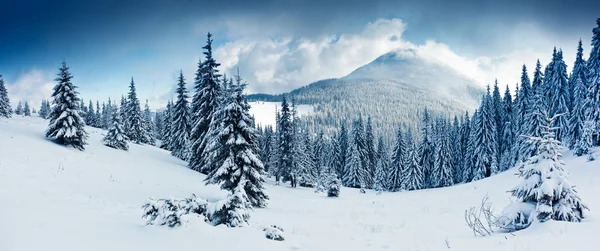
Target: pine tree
(578, 82)
(465, 131)
(535, 121)
(167, 137)
(158, 125)
(90, 116)
(498, 113)
(371, 153)
(5, 110)
(353, 176)
(26, 110)
(234, 148)
(381, 181)
(593, 78)
(123, 112)
(442, 175)
(341, 150)
(180, 129)
(44, 109)
(266, 142)
(19, 110)
(396, 174)
(116, 137)
(286, 143)
(360, 177)
(204, 105)
(456, 151)
(485, 147)
(413, 179)
(545, 183)
(98, 115)
(148, 125)
(66, 127)
(508, 136)
(557, 92)
(470, 158)
(426, 150)
(522, 148)
(135, 128)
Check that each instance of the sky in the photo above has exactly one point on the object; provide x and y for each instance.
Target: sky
(277, 45)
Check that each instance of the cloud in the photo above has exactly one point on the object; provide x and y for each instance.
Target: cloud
(282, 64)
(31, 86)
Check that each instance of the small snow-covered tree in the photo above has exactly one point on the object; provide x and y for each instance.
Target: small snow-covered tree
(19, 109)
(167, 123)
(66, 127)
(180, 129)
(26, 110)
(116, 137)
(545, 183)
(90, 116)
(148, 125)
(5, 110)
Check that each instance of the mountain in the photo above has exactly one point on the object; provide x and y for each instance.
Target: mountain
(393, 89)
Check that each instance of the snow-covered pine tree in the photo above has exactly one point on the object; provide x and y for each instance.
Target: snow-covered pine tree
(508, 136)
(148, 125)
(468, 170)
(557, 92)
(413, 179)
(98, 115)
(593, 78)
(90, 116)
(465, 131)
(485, 147)
(383, 161)
(135, 129)
(499, 116)
(545, 183)
(577, 118)
(302, 163)
(43, 112)
(26, 110)
(266, 142)
(358, 141)
(396, 174)
(584, 143)
(340, 150)
(205, 103)
(33, 110)
(180, 129)
(353, 176)
(123, 112)
(158, 125)
(456, 151)
(235, 151)
(103, 117)
(371, 153)
(426, 149)
(167, 137)
(116, 137)
(66, 127)
(19, 109)
(442, 175)
(5, 110)
(522, 105)
(532, 127)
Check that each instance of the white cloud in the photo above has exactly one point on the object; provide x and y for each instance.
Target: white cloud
(283, 64)
(31, 86)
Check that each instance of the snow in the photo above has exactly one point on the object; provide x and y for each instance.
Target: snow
(264, 112)
(59, 198)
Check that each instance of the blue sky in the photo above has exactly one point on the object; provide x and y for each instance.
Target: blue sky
(278, 45)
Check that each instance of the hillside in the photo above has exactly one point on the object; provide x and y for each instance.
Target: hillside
(393, 89)
(57, 198)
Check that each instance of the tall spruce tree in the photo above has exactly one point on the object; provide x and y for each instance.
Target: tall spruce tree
(486, 147)
(371, 153)
(497, 109)
(341, 150)
(66, 127)
(19, 109)
(508, 136)
(5, 110)
(98, 115)
(593, 78)
(442, 175)
(286, 143)
(235, 150)
(577, 81)
(381, 181)
(205, 103)
(413, 180)
(396, 173)
(148, 125)
(135, 127)
(167, 137)
(470, 158)
(26, 110)
(123, 112)
(180, 129)
(90, 116)
(426, 149)
(557, 93)
(465, 131)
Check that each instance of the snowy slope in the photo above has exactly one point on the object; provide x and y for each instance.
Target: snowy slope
(57, 198)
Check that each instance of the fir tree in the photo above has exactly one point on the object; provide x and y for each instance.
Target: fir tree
(353, 176)
(381, 181)
(470, 158)
(234, 148)
(148, 125)
(532, 127)
(19, 110)
(545, 183)
(396, 174)
(426, 150)
(66, 127)
(205, 103)
(26, 110)
(413, 179)
(456, 151)
(90, 116)
(508, 136)
(135, 128)
(578, 82)
(593, 78)
(116, 137)
(371, 153)
(5, 110)
(286, 143)
(98, 115)
(341, 150)
(167, 137)
(499, 114)
(44, 109)
(123, 112)
(180, 129)
(486, 148)
(158, 125)
(465, 131)
(442, 175)
(557, 93)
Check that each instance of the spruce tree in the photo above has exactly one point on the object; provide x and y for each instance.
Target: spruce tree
(499, 116)
(98, 115)
(353, 176)
(90, 116)
(26, 110)
(545, 183)
(508, 136)
(557, 93)
(486, 148)
(116, 137)
(578, 82)
(180, 129)
(465, 131)
(5, 110)
(158, 125)
(123, 112)
(456, 151)
(148, 125)
(396, 174)
(66, 127)
(413, 179)
(426, 150)
(381, 181)
(19, 110)
(341, 150)
(167, 137)
(593, 78)
(442, 175)
(44, 109)
(371, 153)
(135, 127)
(205, 103)
(234, 149)
(470, 158)
(286, 143)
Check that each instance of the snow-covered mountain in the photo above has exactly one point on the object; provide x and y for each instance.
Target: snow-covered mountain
(393, 89)
(59, 198)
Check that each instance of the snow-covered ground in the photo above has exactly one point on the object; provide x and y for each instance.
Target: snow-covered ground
(264, 112)
(57, 198)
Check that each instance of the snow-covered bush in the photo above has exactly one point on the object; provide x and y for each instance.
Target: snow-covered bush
(232, 211)
(516, 216)
(333, 189)
(169, 211)
(274, 233)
